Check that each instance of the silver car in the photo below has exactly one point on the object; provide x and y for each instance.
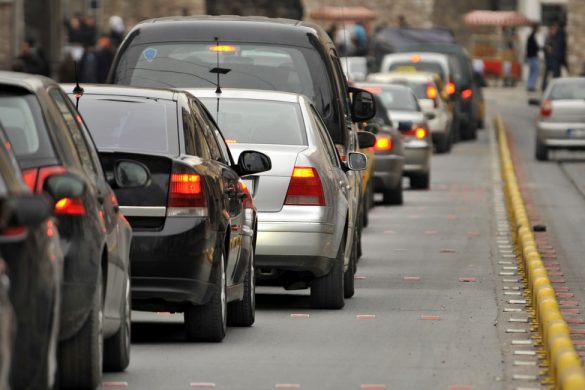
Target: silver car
(304, 224)
(407, 116)
(561, 120)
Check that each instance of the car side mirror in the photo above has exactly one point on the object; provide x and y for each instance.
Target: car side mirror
(24, 210)
(363, 105)
(534, 102)
(430, 116)
(366, 139)
(357, 161)
(65, 185)
(131, 174)
(251, 162)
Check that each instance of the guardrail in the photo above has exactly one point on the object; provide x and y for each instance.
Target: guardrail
(564, 364)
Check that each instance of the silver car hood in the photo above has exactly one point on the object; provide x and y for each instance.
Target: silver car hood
(269, 188)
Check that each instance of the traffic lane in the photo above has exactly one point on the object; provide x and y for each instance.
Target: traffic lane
(555, 188)
(432, 332)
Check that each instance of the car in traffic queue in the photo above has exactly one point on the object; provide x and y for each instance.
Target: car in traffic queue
(253, 53)
(407, 116)
(193, 246)
(448, 70)
(389, 156)
(367, 183)
(57, 156)
(433, 100)
(31, 270)
(560, 123)
(303, 202)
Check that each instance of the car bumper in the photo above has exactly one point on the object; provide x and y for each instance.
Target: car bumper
(417, 158)
(557, 135)
(173, 266)
(387, 171)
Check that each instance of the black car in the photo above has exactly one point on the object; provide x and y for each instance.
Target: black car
(57, 156)
(33, 264)
(193, 240)
(252, 53)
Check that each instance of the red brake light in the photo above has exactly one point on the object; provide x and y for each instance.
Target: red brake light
(305, 188)
(186, 194)
(419, 132)
(546, 109)
(341, 151)
(30, 177)
(450, 88)
(466, 94)
(70, 206)
(383, 143)
(432, 92)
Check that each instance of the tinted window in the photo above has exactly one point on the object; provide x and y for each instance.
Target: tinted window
(568, 90)
(418, 87)
(325, 138)
(132, 124)
(253, 66)
(21, 118)
(399, 100)
(258, 121)
(421, 66)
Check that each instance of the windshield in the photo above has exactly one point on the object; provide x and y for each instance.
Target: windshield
(258, 121)
(251, 66)
(399, 100)
(129, 124)
(564, 90)
(406, 66)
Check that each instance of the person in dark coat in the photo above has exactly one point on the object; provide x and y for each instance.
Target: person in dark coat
(532, 59)
(104, 56)
(28, 61)
(553, 54)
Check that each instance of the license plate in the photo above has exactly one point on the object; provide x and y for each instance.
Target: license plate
(575, 133)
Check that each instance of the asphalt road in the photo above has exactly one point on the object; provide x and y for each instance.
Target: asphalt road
(431, 309)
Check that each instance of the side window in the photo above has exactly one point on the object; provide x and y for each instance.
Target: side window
(341, 76)
(325, 138)
(208, 133)
(195, 143)
(74, 126)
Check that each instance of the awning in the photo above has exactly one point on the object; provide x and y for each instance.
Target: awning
(495, 18)
(355, 14)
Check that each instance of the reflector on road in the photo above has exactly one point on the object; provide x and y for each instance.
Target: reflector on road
(202, 385)
(366, 316)
(114, 384)
(300, 315)
(425, 317)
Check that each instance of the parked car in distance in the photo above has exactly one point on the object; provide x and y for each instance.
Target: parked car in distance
(193, 244)
(407, 116)
(303, 202)
(57, 156)
(32, 263)
(429, 91)
(389, 160)
(560, 123)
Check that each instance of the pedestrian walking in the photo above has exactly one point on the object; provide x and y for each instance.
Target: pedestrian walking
(553, 54)
(29, 61)
(532, 59)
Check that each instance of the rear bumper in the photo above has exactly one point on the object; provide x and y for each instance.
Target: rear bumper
(316, 265)
(556, 135)
(387, 171)
(173, 266)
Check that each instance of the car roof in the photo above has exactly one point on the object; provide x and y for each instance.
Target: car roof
(227, 28)
(122, 90)
(30, 82)
(423, 56)
(251, 94)
(423, 76)
(383, 86)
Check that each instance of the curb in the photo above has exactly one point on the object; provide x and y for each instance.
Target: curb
(554, 335)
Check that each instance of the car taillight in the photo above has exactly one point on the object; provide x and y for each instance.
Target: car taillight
(546, 109)
(383, 143)
(450, 88)
(432, 94)
(30, 177)
(70, 206)
(341, 151)
(248, 202)
(186, 195)
(418, 132)
(305, 188)
(35, 177)
(467, 94)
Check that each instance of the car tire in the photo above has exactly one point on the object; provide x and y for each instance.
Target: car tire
(81, 357)
(443, 144)
(243, 313)
(421, 181)
(348, 276)
(117, 347)
(327, 291)
(393, 196)
(208, 322)
(468, 131)
(541, 151)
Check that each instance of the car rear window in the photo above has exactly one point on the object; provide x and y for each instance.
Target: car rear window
(131, 124)
(258, 121)
(22, 119)
(422, 66)
(564, 90)
(399, 100)
(418, 87)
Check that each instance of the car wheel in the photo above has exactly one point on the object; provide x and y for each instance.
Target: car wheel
(242, 313)
(443, 144)
(468, 131)
(348, 276)
(393, 196)
(208, 322)
(81, 357)
(327, 291)
(421, 181)
(541, 151)
(117, 347)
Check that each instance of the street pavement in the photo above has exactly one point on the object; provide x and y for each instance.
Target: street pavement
(431, 304)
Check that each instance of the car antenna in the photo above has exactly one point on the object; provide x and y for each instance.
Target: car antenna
(77, 91)
(219, 71)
